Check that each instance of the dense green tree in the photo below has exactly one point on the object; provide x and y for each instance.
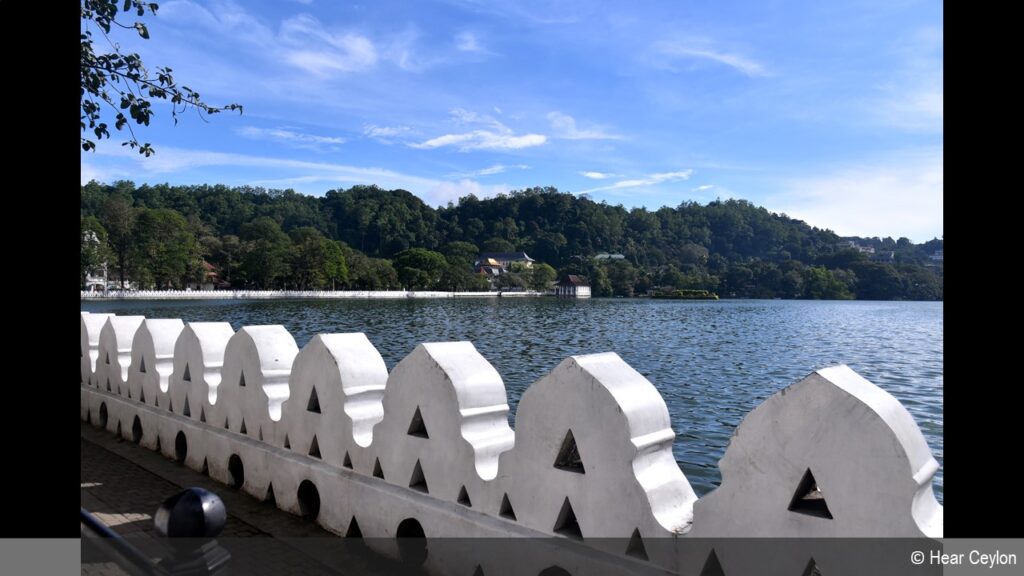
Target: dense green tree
(265, 254)
(165, 248)
(920, 283)
(336, 268)
(622, 276)
(877, 281)
(821, 284)
(419, 269)
(457, 277)
(732, 246)
(542, 276)
(118, 218)
(497, 245)
(461, 253)
(309, 258)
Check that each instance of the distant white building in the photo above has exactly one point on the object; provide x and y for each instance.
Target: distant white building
(936, 256)
(607, 256)
(96, 279)
(506, 259)
(852, 244)
(573, 286)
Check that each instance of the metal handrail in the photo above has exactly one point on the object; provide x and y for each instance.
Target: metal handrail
(134, 561)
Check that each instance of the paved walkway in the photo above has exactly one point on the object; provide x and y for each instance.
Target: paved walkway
(123, 484)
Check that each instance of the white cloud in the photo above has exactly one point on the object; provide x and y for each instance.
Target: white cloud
(300, 41)
(385, 134)
(299, 172)
(648, 180)
(564, 126)
(900, 195)
(489, 171)
(746, 66)
(292, 137)
(92, 172)
(496, 137)
(598, 175)
(702, 188)
(446, 192)
(463, 116)
(224, 18)
(483, 140)
(911, 98)
(311, 47)
(468, 42)
(171, 160)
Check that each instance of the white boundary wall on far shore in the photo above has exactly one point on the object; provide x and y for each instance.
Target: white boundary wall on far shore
(282, 294)
(590, 463)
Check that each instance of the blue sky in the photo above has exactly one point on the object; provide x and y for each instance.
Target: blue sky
(830, 112)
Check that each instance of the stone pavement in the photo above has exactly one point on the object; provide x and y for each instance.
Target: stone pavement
(123, 484)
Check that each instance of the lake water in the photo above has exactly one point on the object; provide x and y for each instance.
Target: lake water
(713, 362)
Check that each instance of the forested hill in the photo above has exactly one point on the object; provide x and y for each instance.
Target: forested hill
(361, 238)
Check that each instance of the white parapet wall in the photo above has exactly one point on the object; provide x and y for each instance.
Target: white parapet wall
(327, 433)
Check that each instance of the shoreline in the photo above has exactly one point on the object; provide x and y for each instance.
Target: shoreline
(295, 294)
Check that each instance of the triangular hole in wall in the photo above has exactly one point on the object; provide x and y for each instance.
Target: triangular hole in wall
(812, 569)
(156, 402)
(712, 567)
(314, 402)
(418, 481)
(287, 443)
(378, 472)
(129, 392)
(241, 380)
(347, 462)
(636, 546)
(506, 510)
(809, 499)
(202, 414)
(188, 374)
(118, 389)
(260, 436)
(88, 416)
(186, 411)
(108, 358)
(566, 524)
(142, 365)
(569, 456)
(226, 424)
(353, 529)
(206, 468)
(170, 404)
(242, 429)
(157, 444)
(464, 498)
(479, 571)
(270, 498)
(142, 395)
(416, 426)
(108, 384)
(118, 429)
(314, 448)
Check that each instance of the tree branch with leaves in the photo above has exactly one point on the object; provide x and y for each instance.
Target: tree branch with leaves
(120, 84)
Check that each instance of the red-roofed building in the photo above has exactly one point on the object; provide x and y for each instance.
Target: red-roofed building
(573, 286)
